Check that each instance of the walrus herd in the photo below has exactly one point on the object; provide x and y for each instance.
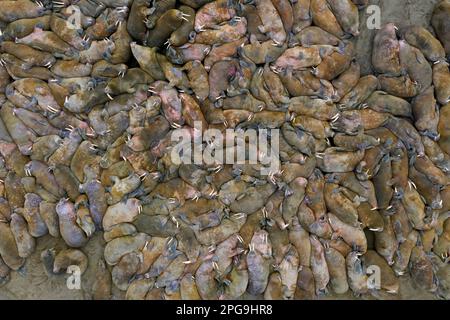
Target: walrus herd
(91, 92)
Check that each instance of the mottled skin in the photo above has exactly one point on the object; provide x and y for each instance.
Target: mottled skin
(435, 153)
(64, 153)
(188, 52)
(121, 52)
(121, 212)
(274, 289)
(4, 80)
(334, 61)
(205, 281)
(444, 128)
(168, 255)
(426, 113)
(284, 9)
(13, 159)
(47, 211)
(259, 91)
(406, 132)
(127, 83)
(261, 52)
(220, 52)
(275, 87)
(184, 33)
(313, 36)
(385, 54)
(250, 12)
(29, 55)
(353, 236)
(72, 234)
(8, 248)
(98, 50)
(441, 82)
(85, 20)
(136, 25)
(441, 25)
(172, 273)
(421, 269)
(174, 74)
(21, 9)
(363, 90)
(148, 137)
(125, 102)
(47, 41)
(335, 160)
(228, 32)
(317, 108)
(91, 8)
(223, 231)
(415, 64)
(337, 269)
(347, 80)
(107, 23)
(258, 271)
(319, 266)
(319, 129)
(71, 69)
(118, 247)
(357, 278)
(101, 287)
(69, 257)
(138, 288)
(105, 69)
(120, 230)
(214, 13)
(19, 69)
(305, 284)
(36, 91)
(4, 272)
(124, 271)
(21, 135)
(291, 203)
(272, 24)
(385, 241)
(40, 171)
(384, 191)
(339, 204)
(165, 25)
(299, 58)
(84, 219)
(346, 14)
(382, 102)
(402, 86)
(66, 31)
(422, 39)
(35, 122)
(358, 142)
(97, 196)
(289, 272)
(25, 242)
(323, 17)
(86, 155)
(23, 27)
(239, 281)
(14, 190)
(84, 101)
(158, 9)
(147, 60)
(403, 254)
